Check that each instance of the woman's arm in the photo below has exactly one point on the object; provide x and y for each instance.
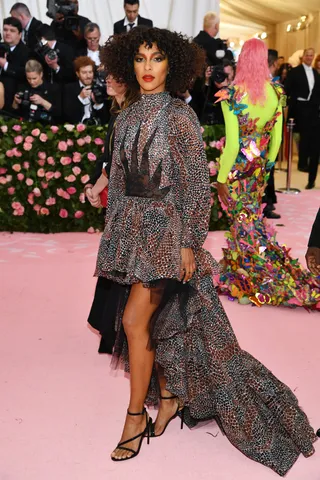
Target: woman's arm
(1, 96)
(231, 148)
(276, 137)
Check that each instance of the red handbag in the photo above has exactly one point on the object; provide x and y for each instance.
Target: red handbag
(104, 197)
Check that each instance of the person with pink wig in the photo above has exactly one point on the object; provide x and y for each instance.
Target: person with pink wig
(256, 268)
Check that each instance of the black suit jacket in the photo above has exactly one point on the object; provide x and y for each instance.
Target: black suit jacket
(211, 46)
(73, 108)
(314, 240)
(51, 93)
(31, 36)
(15, 72)
(66, 72)
(297, 86)
(119, 27)
(106, 157)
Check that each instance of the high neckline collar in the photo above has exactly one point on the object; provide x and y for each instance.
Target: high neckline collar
(156, 98)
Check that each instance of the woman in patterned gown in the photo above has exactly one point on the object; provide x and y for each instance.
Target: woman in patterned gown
(256, 268)
(173, 335)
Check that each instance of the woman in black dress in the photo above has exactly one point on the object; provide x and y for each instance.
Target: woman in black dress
(173, 333)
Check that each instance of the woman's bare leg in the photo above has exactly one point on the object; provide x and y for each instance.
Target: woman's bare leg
(139, 309)
(167, 408)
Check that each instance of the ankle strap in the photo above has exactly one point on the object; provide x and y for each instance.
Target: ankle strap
(168, 398)
(136, 414)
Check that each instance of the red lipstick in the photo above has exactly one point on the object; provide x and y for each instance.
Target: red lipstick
(148, 78)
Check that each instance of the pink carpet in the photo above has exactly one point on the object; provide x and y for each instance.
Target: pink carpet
(62, 410)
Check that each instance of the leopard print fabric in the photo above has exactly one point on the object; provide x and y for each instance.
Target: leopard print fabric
(159, 202)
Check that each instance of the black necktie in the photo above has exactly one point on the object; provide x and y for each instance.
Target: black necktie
(131, 25)
(25, 39)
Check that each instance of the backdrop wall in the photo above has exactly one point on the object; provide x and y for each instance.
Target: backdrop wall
(182, 15)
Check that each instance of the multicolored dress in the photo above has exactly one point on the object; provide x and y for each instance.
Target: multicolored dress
(257, 269)
(159, 202)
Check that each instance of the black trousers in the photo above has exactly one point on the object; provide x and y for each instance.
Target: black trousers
(270, 197)
(308, 125)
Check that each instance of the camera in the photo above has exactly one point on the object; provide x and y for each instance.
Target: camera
(218, 74)
(36, 113)
(43, 50)
(99, 87)
(68, 10)
(4, 49)
(25, 98)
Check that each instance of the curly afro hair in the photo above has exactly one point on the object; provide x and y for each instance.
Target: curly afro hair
(186, 59)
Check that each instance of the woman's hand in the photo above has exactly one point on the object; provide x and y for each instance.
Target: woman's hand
(93, 197)
(36, 99)
(223, 193)
(188, 264)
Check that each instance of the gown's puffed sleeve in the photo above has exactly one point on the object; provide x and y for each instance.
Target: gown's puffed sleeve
(188, 150)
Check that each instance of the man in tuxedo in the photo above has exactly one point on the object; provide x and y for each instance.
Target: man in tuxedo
(71, 34)
(303, 90)
(92, 35)
(59, 69)
(313, 252)
(29, 24)
(12, 65)
(216, 50)
(79, 104)
(132, 18)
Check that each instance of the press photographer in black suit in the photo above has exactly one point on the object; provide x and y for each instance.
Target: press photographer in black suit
(56, 57)
(79, 102)
(70, 29)
(29, 24)
(92, 35)
(36, 100)
(132, 18)
(13, 59)
(303, 89)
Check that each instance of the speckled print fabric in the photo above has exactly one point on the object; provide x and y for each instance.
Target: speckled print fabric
(159, 201)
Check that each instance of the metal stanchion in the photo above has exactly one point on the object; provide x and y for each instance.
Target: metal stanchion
(281, 155)
(288, 189)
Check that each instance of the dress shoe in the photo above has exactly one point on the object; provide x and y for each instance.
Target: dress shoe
(303, 169)
(310, 186)
(273, 215)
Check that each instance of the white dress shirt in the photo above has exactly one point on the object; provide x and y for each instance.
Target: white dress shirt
(310, 78)
(95, 56)
(126, 23)
(87, 104)
(5, 68)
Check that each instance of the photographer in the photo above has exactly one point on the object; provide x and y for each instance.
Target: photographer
(85, 101)
(29, 24)
(37, 100)
(68, 25)
(55, 56)
(13, 57)
(92, 35)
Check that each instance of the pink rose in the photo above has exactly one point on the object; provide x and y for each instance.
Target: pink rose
(54, 129)
(16, 167)
(57, 175)
(44, 211)
(41, 163)
(62, 146)
(70, 178)
(82, 198)
(65, 161)
(69, 127)
(19, 212)
(49, 175)
(16, 152)
(42, 155)
(16, 205)
(9, 153)
(9, 178)
(41, 172)
(77, 157)
(91, 230)
(213, 172)
(37, 208)
(60, 192)
(87, 139)
(4, 129)
(20, 177)
(202, 129)
(78, 214)
(204, 145)
(98, 141)
(70, 142)
(91, 157)
(44, 185)
(3, 180)
(3, 171)
(80, 142)
(81, 127)
(27, 146)
(51, 161)
(37, 192)
(16, 128)
(50, 201)
(212, 144)
(76, 170)
(31, 198)
(71, 190)
(63, 213)
(29, 182)
(36, 132)
(85, 179)
(11, 190)
(17, 140)
(66, 196)
(29, 139)
(26, 165)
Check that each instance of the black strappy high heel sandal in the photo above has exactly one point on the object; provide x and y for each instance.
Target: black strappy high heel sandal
(179, 410)
(145, 433)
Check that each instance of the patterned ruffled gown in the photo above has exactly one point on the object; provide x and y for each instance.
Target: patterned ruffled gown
(256, 266)
(159, 202)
